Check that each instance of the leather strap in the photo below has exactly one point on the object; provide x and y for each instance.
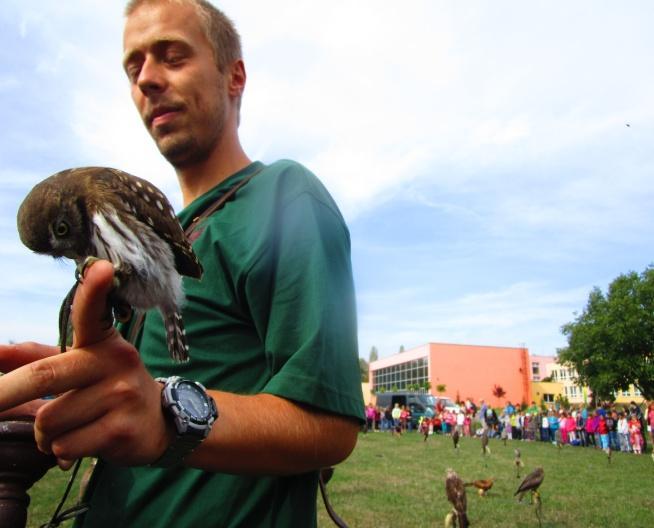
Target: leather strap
(323, 477)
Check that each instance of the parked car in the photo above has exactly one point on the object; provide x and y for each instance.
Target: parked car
(446, 403)
(419, 403)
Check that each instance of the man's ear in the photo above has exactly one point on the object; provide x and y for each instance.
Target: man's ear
(236, 79)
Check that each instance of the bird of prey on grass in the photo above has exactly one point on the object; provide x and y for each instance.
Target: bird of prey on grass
(518, 462)
(482, 485)
(485, 450)
(456, 494)
(456, 436)
(531, 483)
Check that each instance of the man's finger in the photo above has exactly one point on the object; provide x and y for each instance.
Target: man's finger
(69, 411)
(91, 312)
(27, 409)
(49, 376)
(19, 354)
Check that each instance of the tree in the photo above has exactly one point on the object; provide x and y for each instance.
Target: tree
(374, 354)
(611, 343)
(363, 367)
(561, 402)
(401, 349)
(498, 392)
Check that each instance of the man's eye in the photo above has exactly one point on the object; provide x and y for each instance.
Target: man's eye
(132, 73)
(174, 58)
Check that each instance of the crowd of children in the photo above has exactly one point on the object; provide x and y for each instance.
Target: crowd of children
(609, 426)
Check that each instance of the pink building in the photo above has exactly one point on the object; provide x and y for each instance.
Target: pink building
(538, 366)
(462, 371)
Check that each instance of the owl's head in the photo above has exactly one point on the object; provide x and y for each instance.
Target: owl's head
(53, 218)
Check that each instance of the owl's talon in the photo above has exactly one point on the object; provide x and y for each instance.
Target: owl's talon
(80, 271)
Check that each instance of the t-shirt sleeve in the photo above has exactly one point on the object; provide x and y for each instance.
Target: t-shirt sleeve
(308, 317)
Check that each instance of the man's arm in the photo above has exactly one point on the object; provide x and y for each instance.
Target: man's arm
(266, 434)
(109, 405)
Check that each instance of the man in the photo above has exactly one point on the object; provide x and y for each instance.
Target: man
(271, 326)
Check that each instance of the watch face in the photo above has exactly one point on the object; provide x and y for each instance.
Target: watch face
(191, 398)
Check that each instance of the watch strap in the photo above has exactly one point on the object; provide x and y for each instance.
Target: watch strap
(177, 451)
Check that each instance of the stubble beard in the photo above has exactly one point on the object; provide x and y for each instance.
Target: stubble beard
(183, 151)
(186, 147)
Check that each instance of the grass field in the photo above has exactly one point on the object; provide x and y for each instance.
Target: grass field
(399, 482)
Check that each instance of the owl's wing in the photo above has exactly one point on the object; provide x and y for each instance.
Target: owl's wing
(150, 206)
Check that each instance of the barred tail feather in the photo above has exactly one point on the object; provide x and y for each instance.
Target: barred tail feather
(176, 337)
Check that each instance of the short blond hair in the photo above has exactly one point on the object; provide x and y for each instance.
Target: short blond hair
(218, 28)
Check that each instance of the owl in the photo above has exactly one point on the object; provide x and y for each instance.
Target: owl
(100, 212)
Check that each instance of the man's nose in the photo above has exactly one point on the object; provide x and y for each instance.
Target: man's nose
(152, 78)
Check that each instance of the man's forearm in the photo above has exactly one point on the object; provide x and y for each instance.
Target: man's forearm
(264, 434)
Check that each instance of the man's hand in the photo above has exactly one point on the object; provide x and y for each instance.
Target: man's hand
(108, 405)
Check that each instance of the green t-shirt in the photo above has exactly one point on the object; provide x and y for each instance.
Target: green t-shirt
(274, 313)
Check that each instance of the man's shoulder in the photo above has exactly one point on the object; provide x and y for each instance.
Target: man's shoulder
(285, 180)
(288, 170)
(291, 178)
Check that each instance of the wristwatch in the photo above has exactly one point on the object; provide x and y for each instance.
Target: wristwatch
(193, 412)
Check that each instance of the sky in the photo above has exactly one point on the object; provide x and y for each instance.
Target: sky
(493, 159)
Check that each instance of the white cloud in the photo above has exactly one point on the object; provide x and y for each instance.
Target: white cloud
(503, 317)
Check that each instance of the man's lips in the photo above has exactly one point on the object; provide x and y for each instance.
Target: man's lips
(162, 115)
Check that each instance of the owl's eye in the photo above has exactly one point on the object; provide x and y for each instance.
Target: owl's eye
(61, 229)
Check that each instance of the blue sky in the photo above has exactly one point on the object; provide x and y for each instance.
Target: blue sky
(479, 150)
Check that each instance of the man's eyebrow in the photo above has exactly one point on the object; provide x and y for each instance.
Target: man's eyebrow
(158, 44)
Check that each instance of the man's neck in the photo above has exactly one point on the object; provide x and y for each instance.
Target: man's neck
(226, 159)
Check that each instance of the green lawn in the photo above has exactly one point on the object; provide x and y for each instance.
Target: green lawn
(399, 482)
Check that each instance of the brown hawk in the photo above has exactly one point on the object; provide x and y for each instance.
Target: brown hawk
(482, 485)
(530, 483)
(456, 494)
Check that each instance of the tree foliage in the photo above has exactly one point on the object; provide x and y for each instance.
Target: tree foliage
(498, 392)
(363, 367)
(374, 354)
(611, 343)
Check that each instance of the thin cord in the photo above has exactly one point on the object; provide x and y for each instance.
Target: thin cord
(64, 320)
(78, 509)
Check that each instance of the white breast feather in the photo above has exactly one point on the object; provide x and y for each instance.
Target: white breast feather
(155, 280)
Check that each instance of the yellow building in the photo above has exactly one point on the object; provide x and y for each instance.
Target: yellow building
(566, 377)
(545, 392)
(577, 394)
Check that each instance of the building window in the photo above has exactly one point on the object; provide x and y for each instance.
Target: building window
(401, 376)
(535, 371)
(548, 398)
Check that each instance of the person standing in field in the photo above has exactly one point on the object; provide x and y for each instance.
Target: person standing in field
(650, 422)
(635, 434)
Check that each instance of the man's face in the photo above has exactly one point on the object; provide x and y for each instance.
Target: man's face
(175, 83)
